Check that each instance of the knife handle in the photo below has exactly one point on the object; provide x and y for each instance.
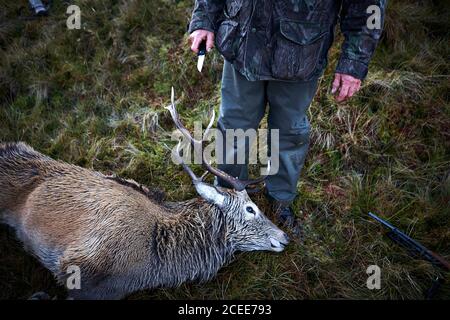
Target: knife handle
(202, 48)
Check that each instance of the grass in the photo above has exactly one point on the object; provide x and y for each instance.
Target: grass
(94, 97)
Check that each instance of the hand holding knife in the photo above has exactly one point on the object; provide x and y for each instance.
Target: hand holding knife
(201, 55)
(201, 41)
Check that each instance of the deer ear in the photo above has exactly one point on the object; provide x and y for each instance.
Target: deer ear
(209, 193)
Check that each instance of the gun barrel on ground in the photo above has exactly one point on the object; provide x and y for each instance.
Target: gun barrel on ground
(413, 245)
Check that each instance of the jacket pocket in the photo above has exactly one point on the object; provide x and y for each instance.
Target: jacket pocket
(232, 8)
(297, 50)
(227, 41)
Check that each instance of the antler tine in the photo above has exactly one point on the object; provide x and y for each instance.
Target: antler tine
(177, 121)
(211, 122)
(237, 184)
(185, 166)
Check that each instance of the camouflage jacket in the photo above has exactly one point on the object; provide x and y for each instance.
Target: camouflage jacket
(290, 39)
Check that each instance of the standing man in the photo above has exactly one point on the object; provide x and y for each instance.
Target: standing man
(275, 51)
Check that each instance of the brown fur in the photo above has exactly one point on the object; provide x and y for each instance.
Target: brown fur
(121, 234)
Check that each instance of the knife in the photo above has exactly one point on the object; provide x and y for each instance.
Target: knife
(201, 55)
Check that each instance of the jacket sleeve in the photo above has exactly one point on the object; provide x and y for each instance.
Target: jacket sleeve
(360, 40)
(206, 14)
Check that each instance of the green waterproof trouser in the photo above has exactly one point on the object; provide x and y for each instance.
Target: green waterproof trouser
(243, 106)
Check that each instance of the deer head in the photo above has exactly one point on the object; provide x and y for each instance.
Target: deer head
(248, 228)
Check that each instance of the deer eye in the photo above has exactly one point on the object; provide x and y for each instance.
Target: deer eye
(250, 210)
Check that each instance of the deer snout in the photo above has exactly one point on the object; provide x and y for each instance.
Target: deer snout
(279, 242)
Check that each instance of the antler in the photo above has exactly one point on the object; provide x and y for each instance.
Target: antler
(237, 184)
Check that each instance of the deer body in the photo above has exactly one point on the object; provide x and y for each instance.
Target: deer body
(120, 235)
(121, 239)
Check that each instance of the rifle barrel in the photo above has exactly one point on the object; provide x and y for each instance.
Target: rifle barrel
(383, 222)
(406, 240)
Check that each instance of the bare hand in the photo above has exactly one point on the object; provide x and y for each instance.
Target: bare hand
(345, 86)
(198, 36)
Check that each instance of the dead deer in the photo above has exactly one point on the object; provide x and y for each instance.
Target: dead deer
(117, 232)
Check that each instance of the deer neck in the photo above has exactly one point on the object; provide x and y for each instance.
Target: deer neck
(193, 241)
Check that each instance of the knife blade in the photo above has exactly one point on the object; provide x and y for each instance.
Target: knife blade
(201, 55)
